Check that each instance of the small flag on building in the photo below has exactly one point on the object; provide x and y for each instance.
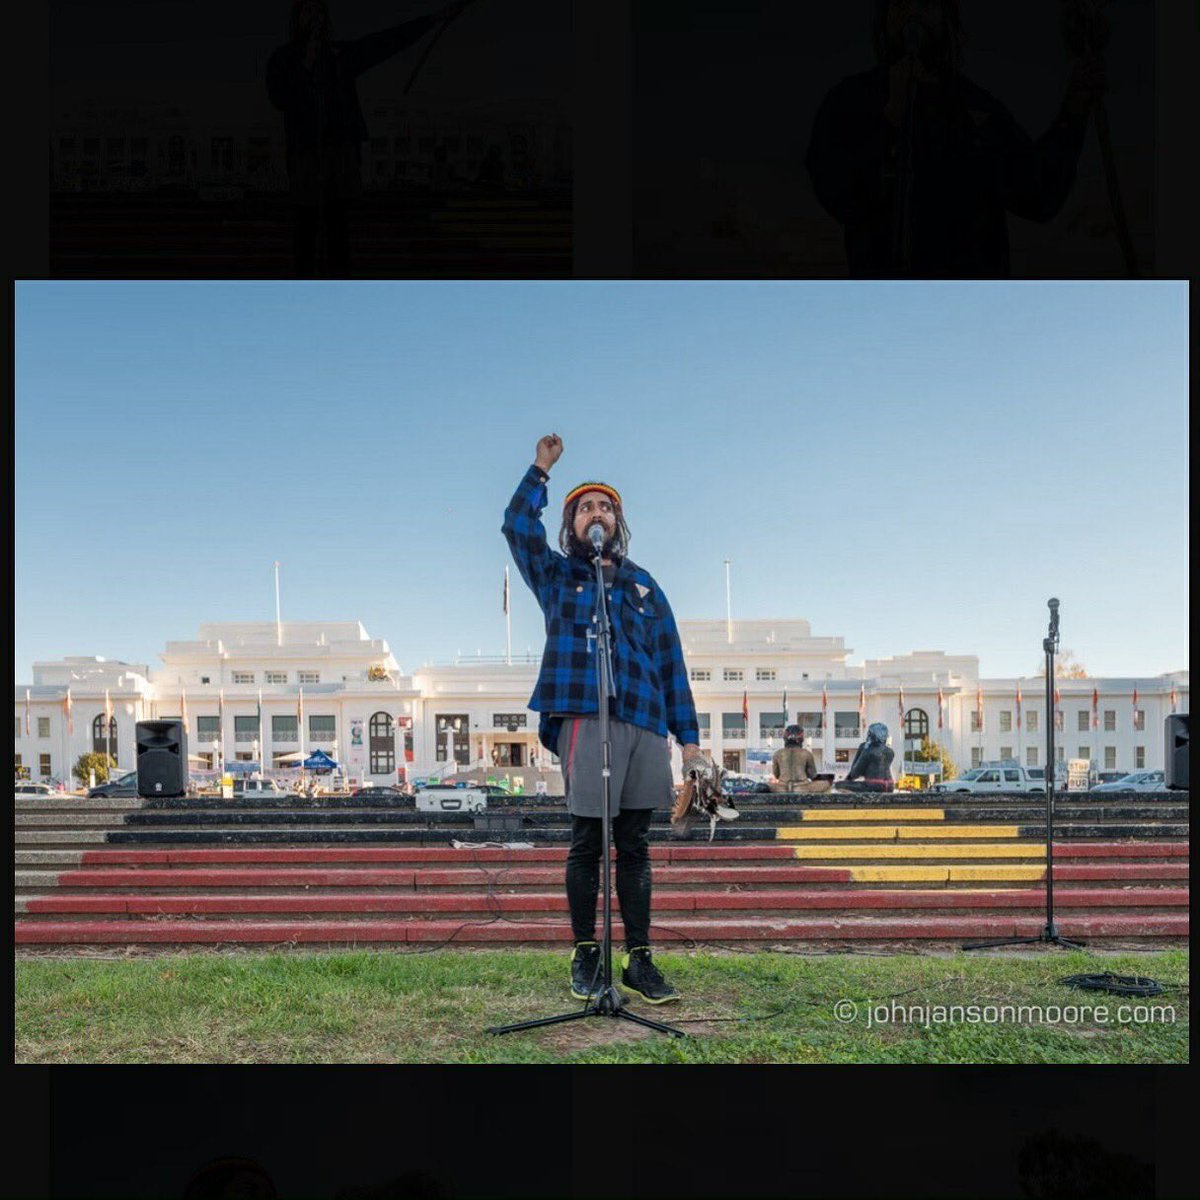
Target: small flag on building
(1018, 702)
(786, 718)
(900, 709)
(745, 707)
(69, 709)
(300, 707)
(506, 589)
(1095, 709)
(1174, 698)
(979, 707)
(1135, 708)
(1058, 717)
(824, 707)
(108, 709)
(862, 707)
(941, 705)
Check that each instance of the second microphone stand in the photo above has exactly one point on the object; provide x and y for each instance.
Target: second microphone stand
(606, 999)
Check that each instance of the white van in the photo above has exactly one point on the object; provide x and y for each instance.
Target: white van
(1004, 777)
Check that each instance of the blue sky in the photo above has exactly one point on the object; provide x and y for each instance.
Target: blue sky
(909, 466)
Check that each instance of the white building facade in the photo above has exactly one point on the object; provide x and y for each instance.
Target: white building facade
(268, 694)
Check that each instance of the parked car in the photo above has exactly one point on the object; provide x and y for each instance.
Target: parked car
(28, 788)
(245, 789)
(1004, 778)
(379, 789)
(1099, 777)
(1135, 781)
(124, 786)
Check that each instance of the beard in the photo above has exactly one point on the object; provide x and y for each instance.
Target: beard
(582, 549)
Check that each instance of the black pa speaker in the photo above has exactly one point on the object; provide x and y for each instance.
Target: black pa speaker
(1176, 757)
(162, 761)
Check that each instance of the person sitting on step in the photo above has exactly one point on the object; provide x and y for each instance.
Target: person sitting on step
(794, 768)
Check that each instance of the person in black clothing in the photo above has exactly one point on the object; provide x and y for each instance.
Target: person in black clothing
(313, 81)
(920, 165)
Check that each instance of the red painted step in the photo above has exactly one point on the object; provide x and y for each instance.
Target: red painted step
(771, 930)
(664, 901)
(532, 876)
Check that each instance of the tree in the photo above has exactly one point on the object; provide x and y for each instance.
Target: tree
(100, 763)
(1066, 666)
(22, 771)
(931, 751)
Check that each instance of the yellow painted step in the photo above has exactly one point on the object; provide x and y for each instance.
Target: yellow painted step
(801, 833)
(950, 874)
(895, 850)
(873, 814)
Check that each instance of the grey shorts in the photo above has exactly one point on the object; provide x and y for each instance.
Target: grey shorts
(640, 767)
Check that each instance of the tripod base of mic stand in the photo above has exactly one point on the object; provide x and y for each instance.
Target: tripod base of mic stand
(607, 1003)
(1048, 936)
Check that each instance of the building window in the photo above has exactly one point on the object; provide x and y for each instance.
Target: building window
(208, 729)
(1139, 757)
(382, 744)
(245, 729)
(1110, 758)
(705, 722)
(976, 756)
(732, 674)
(277, 677)
(1085, 752)
(322, 729)
(43, 727)
(1031, 720)
(1110, 720)
(770, 725)
(510, 721)
(1006, 720)
(205, 679)
(244, 756)
(44, 765)
(916, 723)
(458, 727)
(206, 759)
(845, 724)
(1082, 726)
(841, 756)
(764, 675)
(1006, 753)
(243, 677)
(1139, 718)
(285, 729)
(700, 675)
(976, 721)
(1031, 756)
(101, 732)
(310, 676)
(733, 726)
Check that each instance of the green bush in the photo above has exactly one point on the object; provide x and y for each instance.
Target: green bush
(102, 764)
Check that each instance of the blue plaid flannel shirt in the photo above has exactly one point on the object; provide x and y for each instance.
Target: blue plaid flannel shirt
(648, 669)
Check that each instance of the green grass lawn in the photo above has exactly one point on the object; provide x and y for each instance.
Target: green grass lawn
(367, 1006)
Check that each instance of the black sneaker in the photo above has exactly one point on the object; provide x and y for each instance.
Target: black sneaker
(643, 978)
(586, 972)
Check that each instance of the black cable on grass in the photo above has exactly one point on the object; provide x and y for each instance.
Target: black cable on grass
(1119, 985)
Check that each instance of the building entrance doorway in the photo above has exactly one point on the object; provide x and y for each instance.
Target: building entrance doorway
(731, 760)
(509, 754)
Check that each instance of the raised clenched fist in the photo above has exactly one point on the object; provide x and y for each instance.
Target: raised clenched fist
(549, 450)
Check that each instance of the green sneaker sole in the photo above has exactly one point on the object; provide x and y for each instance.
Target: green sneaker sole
(648, 999)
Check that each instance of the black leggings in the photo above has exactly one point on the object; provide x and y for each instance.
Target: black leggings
(631, 838)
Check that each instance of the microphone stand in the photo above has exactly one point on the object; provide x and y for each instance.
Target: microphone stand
(607, 1001)
(1049, 934)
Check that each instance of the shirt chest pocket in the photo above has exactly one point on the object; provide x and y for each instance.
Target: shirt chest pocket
(639, 620)
(576, 604)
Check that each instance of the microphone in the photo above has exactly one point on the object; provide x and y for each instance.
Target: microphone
(1052, 603)
(596, 535)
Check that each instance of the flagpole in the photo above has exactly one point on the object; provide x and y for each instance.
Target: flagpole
(507, 622)
(728, 607)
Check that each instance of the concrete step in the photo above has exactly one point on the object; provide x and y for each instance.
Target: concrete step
(539, 876)
(495, 929)
(710, 903)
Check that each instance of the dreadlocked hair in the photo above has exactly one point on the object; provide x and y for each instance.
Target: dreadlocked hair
(571, 546)
(956, 38)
